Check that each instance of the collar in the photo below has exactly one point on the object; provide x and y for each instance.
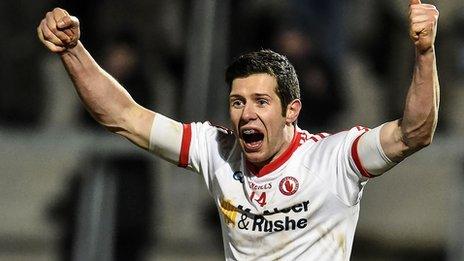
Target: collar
(273, 165)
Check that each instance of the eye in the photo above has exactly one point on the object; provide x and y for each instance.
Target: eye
(262, 102)
(237, 104)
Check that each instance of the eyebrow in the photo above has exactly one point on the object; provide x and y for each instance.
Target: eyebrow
(235, 96)
(254, 95)
(262, 95)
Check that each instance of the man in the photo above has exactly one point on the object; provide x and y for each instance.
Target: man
(282, 192)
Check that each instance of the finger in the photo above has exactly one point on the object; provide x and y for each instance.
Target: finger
(49, 35)
(414, 2)
(52, 47)
(51, 23)
(39, 32)
(69, 33)
(420, 19)
(423, 8)
(426, 6)
(70, 26)
(418, 28)
(49, 20)
(58, 14)
(417, 15)
(68, 22)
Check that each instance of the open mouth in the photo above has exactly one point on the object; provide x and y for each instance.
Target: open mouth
(253, 139)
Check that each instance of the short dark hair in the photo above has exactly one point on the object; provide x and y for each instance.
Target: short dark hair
(272, 63)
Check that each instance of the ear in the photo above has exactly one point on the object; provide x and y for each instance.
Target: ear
(293, 110)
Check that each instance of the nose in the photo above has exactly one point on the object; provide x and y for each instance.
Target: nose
(249, 113)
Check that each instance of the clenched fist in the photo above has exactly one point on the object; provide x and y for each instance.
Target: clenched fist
(423, 25)
(59, 31)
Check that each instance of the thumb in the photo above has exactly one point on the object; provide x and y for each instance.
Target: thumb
(414, 2)
(67, 22)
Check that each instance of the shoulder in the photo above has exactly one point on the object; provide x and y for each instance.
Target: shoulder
(207, 128)
(216, 137)
(224, 136)
(324, 139)
(347, 134)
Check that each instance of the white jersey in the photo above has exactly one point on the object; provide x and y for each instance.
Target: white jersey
(302, 206)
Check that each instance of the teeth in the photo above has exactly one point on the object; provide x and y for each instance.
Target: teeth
(248, 132)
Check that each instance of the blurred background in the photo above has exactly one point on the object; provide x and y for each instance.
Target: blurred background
(69, 190)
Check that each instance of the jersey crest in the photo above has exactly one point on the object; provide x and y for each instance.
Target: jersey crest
(288, 186)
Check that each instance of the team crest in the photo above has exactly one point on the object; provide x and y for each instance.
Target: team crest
(288, 186)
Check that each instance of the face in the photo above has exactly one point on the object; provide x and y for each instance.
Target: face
(256, 115)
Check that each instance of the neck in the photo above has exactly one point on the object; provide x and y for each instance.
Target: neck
(285, 151)
(288, 134)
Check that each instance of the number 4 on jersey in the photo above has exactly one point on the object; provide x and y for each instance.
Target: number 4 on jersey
(261, 199)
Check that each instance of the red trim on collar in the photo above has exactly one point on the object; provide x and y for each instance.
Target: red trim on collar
(273, 165)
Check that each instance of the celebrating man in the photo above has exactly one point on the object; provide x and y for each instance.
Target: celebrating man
(282, 192)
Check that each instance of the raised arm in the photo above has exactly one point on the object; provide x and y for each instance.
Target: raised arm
(108, 102)
(415, 129)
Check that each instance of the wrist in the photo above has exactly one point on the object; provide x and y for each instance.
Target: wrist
(72, 50)
(426, 52)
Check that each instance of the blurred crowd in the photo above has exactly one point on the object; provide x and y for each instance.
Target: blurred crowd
(144, 44)
(145, 50)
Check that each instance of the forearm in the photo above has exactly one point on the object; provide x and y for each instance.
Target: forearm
(101, 94)
(422, 102)
(108, 102)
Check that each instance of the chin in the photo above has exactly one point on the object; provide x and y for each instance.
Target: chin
(256, 158)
